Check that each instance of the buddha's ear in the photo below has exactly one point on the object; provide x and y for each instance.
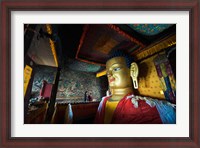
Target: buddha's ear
(134, 71)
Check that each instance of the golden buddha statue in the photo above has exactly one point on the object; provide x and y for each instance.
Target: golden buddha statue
(122, 107)
(120, 84)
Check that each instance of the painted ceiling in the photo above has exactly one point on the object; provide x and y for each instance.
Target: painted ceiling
(149, 29)
(98, 41)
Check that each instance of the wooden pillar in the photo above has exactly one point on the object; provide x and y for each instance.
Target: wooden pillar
(27, 95)
(53, 98)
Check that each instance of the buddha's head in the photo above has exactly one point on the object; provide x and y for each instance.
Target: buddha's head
(118, 73)
(122, 74)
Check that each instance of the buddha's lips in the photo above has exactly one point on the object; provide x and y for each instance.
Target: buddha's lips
(111, 80)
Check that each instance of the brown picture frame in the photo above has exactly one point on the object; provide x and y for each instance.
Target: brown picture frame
(193, 6)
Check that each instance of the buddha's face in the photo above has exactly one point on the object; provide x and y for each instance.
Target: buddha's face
(118, 73)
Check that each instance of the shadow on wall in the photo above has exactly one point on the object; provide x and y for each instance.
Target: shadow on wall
(143, 70)
(149, 83)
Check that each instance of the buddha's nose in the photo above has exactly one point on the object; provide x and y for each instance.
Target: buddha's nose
(109, 74)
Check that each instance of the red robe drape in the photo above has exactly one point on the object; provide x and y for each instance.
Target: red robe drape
(126, 113)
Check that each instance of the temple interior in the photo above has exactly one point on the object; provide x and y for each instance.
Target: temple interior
(65, 67)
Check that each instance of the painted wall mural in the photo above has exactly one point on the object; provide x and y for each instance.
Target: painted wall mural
(82, 66)
(42, 73)
(73, 85)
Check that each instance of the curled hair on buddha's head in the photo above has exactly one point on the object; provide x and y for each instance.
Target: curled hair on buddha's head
(119, 53)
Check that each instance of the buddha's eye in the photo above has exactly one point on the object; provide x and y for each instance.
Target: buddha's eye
(116, 69)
